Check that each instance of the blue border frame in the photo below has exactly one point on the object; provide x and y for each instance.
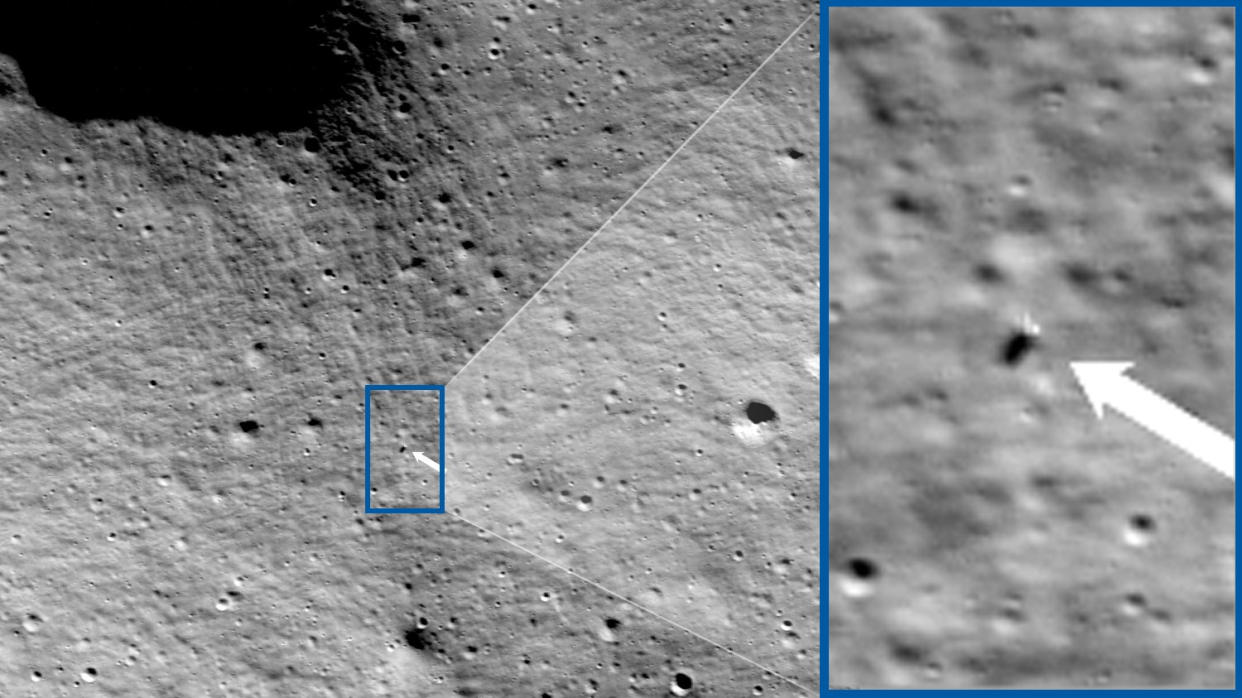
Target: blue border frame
(825, 343)
(366, 491)
(825, 349)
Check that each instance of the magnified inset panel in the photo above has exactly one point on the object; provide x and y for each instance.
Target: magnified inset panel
(1017, 196)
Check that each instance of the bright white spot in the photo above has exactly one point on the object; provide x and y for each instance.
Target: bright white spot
(1199, 76)
(1222, 187)
(1136, 538)
(811, 363)
(1133, 606)
(749, 434)
(1019, 187)
(1028, 325)
(856, 588)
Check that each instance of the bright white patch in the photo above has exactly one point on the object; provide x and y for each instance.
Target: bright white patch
(750, 434)
(1136, 537)
(811, 364)
(1200, 77)
(1019, 187)
(856, 588)
(1221, 185)
(241, 441)
(1028, 325)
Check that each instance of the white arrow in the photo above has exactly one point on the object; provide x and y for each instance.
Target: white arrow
(418, 456)
(1105, 383)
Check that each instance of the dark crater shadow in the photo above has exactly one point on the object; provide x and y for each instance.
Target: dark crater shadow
(224, 67)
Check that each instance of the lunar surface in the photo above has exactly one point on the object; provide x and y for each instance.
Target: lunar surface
(595, 223)
(1010, 191)
(405, 449)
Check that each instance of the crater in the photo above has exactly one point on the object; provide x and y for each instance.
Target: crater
(682, 684)
(418, 637)
(228, 67)
(759, 412)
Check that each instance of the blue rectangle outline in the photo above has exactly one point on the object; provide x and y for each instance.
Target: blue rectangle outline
(366, 478)
(825, 352)
(825, 348)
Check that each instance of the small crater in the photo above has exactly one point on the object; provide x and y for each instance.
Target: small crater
(1134, 604)
(759, 413)
(1083, 274)
(417, 637)
(681, 684)
(1020, 186)
(1010, 616)
(836, 311)
(1140, 531)
(905, 653)
(905, 203)
(31, 623)
(860, 578)
(863, 569)
(989, 273)
(248, 426)
(606, 631)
